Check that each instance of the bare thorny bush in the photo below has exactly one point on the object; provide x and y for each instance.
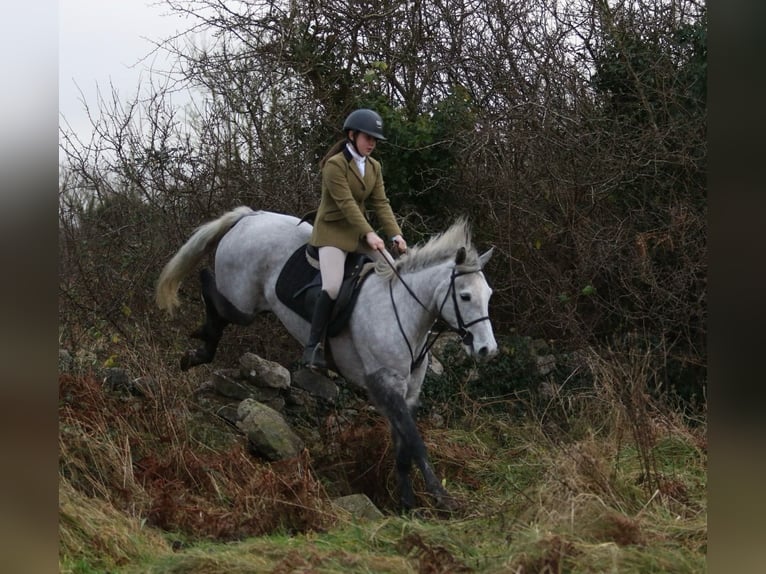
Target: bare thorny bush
(572, 133)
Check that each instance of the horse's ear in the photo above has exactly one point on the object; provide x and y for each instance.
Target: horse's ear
(460, 257)
(483, 258)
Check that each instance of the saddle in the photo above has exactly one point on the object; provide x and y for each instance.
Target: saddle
(299, 284)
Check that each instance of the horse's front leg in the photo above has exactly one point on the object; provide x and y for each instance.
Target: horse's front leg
(386, 390)
(403, 468)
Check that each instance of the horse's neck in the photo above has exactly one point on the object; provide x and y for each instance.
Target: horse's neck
(424, 284)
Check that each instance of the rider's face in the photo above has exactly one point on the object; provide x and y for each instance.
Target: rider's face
(365, 143)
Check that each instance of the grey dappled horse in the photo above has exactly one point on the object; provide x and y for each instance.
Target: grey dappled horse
(384, 348)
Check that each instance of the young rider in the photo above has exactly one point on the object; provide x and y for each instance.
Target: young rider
(351, 179)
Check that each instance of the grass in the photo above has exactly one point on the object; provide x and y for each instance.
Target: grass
(521, 515)
(142, 490)
(489, 540)
(94, 536)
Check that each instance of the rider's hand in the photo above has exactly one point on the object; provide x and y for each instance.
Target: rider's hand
(374, 241)
(400, 243)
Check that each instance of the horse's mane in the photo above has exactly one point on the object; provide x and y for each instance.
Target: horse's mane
(436, 250)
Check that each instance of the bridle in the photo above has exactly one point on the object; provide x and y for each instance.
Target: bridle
(466, 337)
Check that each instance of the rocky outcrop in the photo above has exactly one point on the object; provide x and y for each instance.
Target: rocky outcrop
(266, 402)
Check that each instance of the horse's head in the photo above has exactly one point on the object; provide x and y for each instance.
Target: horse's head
(465, 305)
(461, 299)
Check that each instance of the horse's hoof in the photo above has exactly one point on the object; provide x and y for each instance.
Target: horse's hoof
(447, 503)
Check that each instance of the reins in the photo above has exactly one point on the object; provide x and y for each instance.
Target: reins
(462, 327)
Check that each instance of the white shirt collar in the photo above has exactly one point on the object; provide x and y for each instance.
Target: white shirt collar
(359, 159)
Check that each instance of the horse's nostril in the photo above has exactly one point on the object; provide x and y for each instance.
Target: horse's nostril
(487, 352)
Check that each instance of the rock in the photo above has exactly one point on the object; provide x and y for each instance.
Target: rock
(446, 350)
(445, 340)
(300, 398)
(435, 365)
(359, 506)
(229, 413)
(226, 383)
(267, 432)
(301, 406)
(545, 363)
(277, 403)
(117, 380)
(316, 384)
(263, 373)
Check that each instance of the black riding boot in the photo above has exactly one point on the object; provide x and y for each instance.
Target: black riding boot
(313, 354)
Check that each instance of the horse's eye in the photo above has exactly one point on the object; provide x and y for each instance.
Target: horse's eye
(465, 296)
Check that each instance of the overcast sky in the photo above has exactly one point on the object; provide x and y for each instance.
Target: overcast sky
(103, 41)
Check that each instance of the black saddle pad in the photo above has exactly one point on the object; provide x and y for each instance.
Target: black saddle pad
(299, 284)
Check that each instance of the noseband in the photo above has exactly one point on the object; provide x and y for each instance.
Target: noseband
(466, 337)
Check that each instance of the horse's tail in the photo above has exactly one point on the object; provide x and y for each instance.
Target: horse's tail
(191, 253)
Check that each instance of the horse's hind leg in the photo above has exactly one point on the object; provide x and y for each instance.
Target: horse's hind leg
(386, 390)
(219, 312)
(210, 331)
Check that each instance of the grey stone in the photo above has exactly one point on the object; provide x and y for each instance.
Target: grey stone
(435, 365)
(300, 405)
(263, 373)
(226, 383)
(117, 380)
(277, 403)
(300, 398)
(443, 341)
(545, 363)
(267, 432)
(228, 412)
(359, 506)
(316, 384)
(228, 386)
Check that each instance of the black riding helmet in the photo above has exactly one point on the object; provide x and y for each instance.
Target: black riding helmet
(367, 121)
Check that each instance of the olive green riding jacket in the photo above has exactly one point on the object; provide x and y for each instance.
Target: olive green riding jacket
(341, 219)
